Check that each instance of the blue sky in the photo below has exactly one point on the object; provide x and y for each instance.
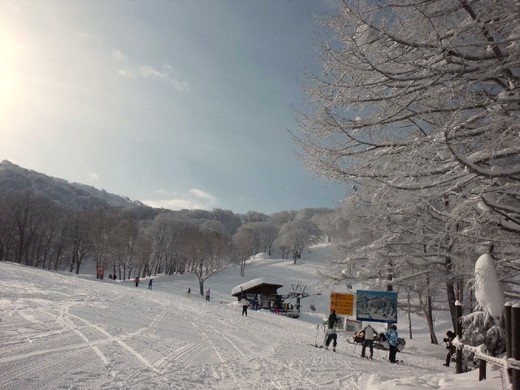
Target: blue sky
(176, 103)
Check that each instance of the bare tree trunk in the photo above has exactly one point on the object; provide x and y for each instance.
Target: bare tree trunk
(450, 291)
(427, 309)
(409, 315)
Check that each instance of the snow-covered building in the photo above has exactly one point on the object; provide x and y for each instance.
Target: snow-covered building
(261, 294)
(256, 286)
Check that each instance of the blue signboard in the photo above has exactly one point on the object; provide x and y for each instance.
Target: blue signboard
(376, 306)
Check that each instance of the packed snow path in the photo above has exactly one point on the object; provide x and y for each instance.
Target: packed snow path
(63, 332)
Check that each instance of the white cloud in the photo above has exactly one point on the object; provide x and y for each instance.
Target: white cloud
(119, 55)
(203, 195)
(91, 176)
(194, 199)
(166, 75)
(162, 192)
(126, 73)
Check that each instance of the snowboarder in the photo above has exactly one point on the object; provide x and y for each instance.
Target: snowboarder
(208, 295)
(333, 318)
(136, 280)
(392, 338)
(244, 303)
(368, 341)
(450, 336)
(150, 284)
(331, 336)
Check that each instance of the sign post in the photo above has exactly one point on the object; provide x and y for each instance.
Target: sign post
(342, 303)
(376, 306)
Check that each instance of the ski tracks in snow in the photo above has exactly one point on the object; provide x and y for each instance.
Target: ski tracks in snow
(61, 333)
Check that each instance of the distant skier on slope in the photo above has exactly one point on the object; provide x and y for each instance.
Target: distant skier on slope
(244, 303)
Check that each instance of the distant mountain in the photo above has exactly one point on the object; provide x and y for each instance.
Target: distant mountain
(14, 178)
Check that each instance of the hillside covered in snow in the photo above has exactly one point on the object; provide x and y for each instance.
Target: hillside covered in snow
(64, 331)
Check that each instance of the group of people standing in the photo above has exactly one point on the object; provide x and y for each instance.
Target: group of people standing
(137, 280)
(370, 335)
(392, 338)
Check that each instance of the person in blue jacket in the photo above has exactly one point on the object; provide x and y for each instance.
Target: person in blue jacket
(392, 336)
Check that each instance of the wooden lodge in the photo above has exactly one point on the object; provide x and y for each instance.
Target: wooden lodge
(263, 295)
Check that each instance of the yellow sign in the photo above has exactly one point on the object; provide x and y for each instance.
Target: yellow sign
(342, 303)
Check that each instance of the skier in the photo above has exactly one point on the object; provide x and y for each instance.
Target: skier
(188, 293)
(208, 295)
(150, 284)
(244, 303)
(392, 337)
(333, 318)
(369, 333)
(136, 280)
(450, 336)
(331, 336)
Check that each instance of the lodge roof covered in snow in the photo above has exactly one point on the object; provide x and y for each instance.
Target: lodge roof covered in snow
(256, 286)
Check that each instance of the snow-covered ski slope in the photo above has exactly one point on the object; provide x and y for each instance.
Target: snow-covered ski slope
(67, 332)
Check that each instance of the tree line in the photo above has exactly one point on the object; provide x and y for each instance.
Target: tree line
(142, 241)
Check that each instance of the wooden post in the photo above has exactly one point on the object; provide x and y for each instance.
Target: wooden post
(481, 369)
(458, 356)
(507, 326)
(515, 343)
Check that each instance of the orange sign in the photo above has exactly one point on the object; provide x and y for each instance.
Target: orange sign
(342, 303)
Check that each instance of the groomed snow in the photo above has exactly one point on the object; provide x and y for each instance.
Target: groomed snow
(61, 331)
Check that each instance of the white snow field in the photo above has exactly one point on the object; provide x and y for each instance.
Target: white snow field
(62, 331)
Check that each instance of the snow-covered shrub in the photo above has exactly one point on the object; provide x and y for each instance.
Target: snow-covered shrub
(482, 327)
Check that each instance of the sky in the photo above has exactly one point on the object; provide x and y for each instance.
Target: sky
(176, 103)
(66, 331)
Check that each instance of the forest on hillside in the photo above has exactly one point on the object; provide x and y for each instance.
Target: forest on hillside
(55, 225)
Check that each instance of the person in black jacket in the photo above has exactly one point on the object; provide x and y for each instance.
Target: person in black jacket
(333, 318)
(450, 336)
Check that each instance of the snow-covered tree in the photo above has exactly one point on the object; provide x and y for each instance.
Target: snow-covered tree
(208, 250)
(266, 233)
(417, 95)
(482, 326)
(295, 236)
(244, 244)
(422, 97)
